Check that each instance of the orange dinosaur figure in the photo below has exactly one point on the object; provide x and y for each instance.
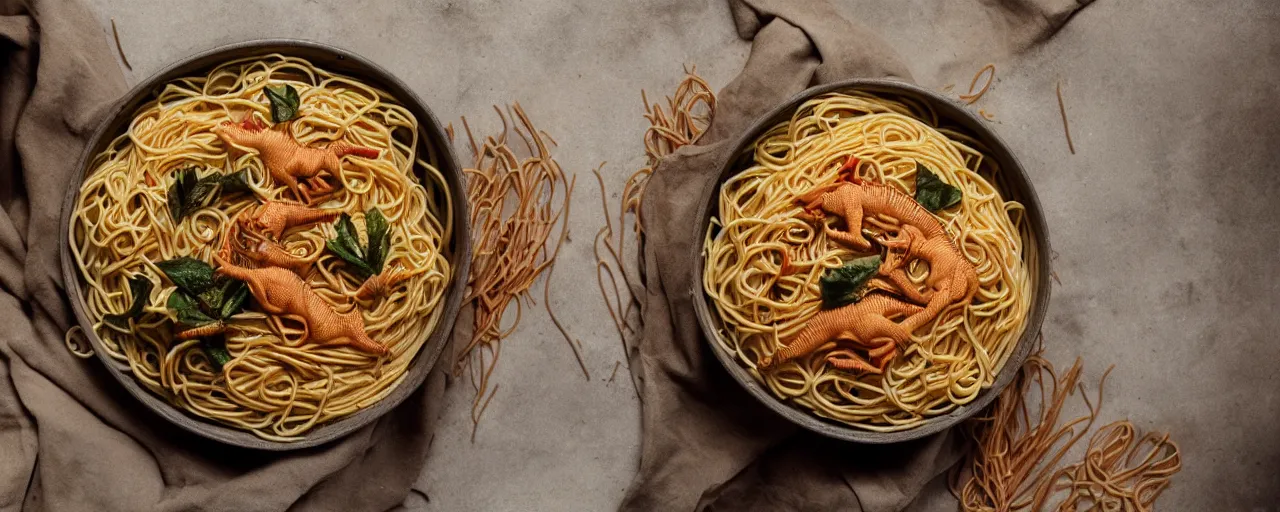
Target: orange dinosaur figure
(265, 252)
(286, 159)
(872, 328)
(952, 278)
(868, 323)
(281, 292)
(274, 217)
(379, 285)
(851, 198)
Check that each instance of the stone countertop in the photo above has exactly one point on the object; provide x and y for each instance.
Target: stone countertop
(1164, 222)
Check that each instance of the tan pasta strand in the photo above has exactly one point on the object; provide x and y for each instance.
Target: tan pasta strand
(275, 386)
(949, 360)
(115, 33)
(972, 97)
(1066, 127)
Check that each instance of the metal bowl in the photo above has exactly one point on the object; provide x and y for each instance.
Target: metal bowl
(1013, 184)
(435, 148)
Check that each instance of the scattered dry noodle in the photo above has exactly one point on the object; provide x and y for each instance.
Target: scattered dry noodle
(1062, 109)
(689, 112)
(1012, 467)
(972, 97)
(512, 217)
(116, 34)
(1108, 479)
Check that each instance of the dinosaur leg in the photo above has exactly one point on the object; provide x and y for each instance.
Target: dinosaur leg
(851, 238)
(204, 330)
(883, 354)
(879, 328)
(292, 183)
(899, 278)
(847, 360)
(317, 185)
(852, 216)
(939, 301)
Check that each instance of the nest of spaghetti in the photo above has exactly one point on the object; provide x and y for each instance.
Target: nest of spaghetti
(266, 246)
(864, 267)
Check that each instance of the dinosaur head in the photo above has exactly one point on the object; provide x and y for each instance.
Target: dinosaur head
(241, 133)
(849, 171)
(816, 197)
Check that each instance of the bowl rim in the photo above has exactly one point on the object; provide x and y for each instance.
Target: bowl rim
(1012, 171)
(433, 137)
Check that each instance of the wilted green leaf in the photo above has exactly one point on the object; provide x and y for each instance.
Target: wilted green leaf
(236, 182)
(355, 261)
(841, 286)
(375, 226)
(139, 290)
(347, 237)
(234, 299)
(201, 191)
(383, 250)
(216, 349)
(175, 199)
(188, 310)
(191, 275)
(284, 102)
(932, 193)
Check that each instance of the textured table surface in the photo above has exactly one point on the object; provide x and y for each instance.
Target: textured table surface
(1164, 221)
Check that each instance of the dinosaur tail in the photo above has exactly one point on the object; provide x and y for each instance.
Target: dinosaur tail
(342, 149)
(314, 215)
(362, 342)
(379, 285)
(941, 299)
(818, 331)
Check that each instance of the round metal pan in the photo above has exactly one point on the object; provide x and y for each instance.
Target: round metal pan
(435, 148)
(1013, 184)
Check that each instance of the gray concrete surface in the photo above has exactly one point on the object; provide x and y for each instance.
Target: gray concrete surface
(1165, 221)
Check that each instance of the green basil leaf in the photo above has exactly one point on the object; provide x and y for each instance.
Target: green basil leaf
(175, 199)
(213, 297)
(139, 290)
(841, 286)
(191, 275)
(187, 310)
(200, 192)
(375, 226)
(347, 236)
(234, 298)
(355, 261)
(187, 178)
(236, 182)
(284, 102)
(216, 350)
(932, 193)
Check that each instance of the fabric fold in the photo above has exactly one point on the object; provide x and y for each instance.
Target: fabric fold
(71, 437)
(706, 444)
